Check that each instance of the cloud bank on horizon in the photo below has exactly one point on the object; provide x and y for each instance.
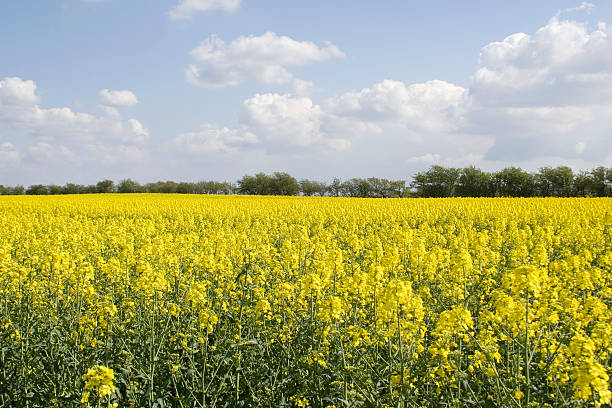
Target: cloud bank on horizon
(533, 99)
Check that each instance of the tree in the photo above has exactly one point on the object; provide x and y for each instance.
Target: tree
(557, 182)
(581, 184)
(513, 182)
(71, 188)
(105, 186)
(37, 189)
(55, 190)
(335, 188)
(18, 190)
(436, 182)
(185, 188)
(284, 184)
(473, 182)
(128, 186)
(599, 182)
(247, 185)
(311, 188)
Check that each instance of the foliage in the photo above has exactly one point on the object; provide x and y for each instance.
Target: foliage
(438, 181)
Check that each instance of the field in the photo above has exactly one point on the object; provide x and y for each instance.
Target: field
(228, 301)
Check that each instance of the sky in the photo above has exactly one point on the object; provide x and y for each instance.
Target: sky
(191, 90)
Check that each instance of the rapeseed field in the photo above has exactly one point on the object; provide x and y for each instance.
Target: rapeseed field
(228, 301)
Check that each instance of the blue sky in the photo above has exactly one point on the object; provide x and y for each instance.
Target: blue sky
(214, 89)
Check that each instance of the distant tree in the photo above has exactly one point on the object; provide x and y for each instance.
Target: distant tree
(71, 188)
(247, 185)
(555, 182)
(105, 186)
(128, 186)
(356, 187)
(335, 187)
(212, 187)
(55, 190)
(385, 188)
(513, 182)
(311, 188)
(599, 182)
(284, 184)
(168, 187)
(17, 190)
(37, 189)
(581, 184)
(185, 188)
(438, 181)
(473, 182)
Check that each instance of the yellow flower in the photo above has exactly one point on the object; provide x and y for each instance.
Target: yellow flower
(99, 379)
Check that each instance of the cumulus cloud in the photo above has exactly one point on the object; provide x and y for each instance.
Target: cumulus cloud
(138, 130)
(263, 58)
(213, 139)
(9, 157)
(545, 96)
(118, 98)
(15, 92)
(427, 158)
(288, 118)
(185, 9)
(432, 106)
(274, 122)
(584, 6)
(549, 94)
(59, 132)
(561, 64)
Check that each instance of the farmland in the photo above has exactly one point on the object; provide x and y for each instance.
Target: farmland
(168, 300)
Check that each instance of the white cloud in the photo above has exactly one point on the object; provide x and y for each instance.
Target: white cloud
(212, 139)
(116, 154)
(434, 106)
(263, 58)
(339, 144)
(9, 157)
(138, 130)
(277, 123)
(549, 94)
(59, 132)
(283, 118)
(427, 158)
(561, 64)
(303, 88)
(118, 98)
(15, 92)
(546, 96)
(187, 8)
(45, 152)
(584, 6)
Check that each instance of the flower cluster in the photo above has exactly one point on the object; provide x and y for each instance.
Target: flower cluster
(294, 301)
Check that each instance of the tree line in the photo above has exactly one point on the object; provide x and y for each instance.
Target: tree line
(438, 181)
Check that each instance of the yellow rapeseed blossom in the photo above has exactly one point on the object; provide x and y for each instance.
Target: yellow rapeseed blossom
(280, 301)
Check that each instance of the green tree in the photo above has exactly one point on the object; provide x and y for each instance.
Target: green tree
(473, 182)
(438, 181)
(105, 186)
(128, 186)
(311, 188)
(600, 182)
(37, 189)
(556, 182)
(284, 184)
(513, 182)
